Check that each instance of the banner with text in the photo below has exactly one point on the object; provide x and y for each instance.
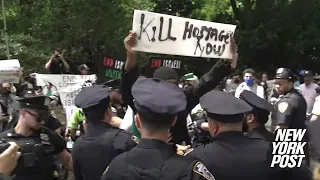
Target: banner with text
(165, 34)
(10, 71)
(174, 63)
(112, 68)
(68, 86)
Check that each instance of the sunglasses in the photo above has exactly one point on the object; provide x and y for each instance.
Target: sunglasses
(39, 116)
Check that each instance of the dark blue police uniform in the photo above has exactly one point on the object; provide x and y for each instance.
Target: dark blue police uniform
(38, 160)
(231, 155)
(28, 91)
(261, 111)
(291, 109)
(154, 158)
(93, 151)
(207, 82)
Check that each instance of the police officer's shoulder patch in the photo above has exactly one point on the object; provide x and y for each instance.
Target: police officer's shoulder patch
(283, 106)
(188, 151)
(200, 169)
(53, 114)
(135, 139)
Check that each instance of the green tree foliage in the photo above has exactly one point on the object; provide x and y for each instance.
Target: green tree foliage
(270, 33)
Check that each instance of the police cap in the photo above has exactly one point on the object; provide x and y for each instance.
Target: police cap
(93, 96)
(35, 102)
(255, 101)
(156, 96)
(223, 107)
(284, 73)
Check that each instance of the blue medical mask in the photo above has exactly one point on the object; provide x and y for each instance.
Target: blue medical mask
(249, 81)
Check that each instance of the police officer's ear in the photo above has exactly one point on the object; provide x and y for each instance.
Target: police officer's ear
(137, 122)
(174, 121)
(249, 118)
(213, 126)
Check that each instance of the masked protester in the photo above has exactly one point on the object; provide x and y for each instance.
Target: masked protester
(250, 84)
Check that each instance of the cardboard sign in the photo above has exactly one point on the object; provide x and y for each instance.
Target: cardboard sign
(164, 34)
(10, 71)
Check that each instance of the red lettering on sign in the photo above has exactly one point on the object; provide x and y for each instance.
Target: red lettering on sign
(156, 63)
(108, 62)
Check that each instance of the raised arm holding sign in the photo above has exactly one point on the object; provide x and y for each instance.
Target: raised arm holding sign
(164, 34)
(206, 83)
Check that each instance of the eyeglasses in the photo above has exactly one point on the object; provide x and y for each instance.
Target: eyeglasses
(38, 116)
(281, 83)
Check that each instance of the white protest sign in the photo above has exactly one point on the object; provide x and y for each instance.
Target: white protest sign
(68, 86)
(10, 71)
(164, 34)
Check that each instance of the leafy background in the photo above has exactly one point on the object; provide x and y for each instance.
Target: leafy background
(270, 33)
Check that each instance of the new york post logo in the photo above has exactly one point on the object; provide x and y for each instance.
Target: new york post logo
(288, 148)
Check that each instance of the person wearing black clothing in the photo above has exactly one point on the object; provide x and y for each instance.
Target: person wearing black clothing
(206, 83)
(39, 145)
(242, 157)
(255, 120)
(154, 121)
(290, 111)
(116, 102)
(83, 69)
(93, 151)
(50, 122)
(57, 64)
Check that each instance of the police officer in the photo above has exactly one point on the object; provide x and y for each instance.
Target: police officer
(157, 112)
(290, 110)
(93, 151)
(231, 155)
(255, 120)
(51, 122)
(206, 83)
(39, 145)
